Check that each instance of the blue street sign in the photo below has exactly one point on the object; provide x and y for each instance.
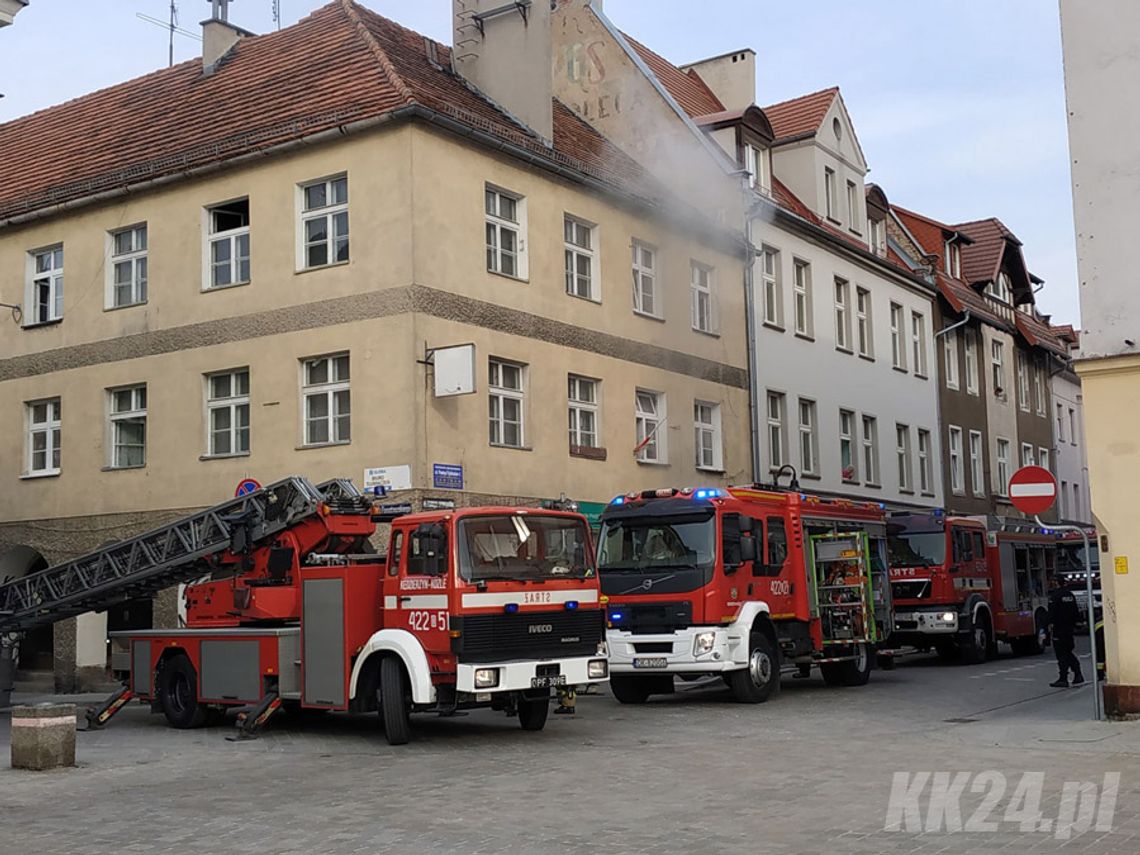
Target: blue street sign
(246, 486)
(447, 476)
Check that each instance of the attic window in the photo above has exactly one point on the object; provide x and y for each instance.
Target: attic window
(837, 128)
(953, 259)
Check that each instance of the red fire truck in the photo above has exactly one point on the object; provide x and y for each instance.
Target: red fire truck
(489, 606)
(737, 582)
(962, 584)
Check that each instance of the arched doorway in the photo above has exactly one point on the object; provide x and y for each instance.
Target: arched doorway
(37, 647)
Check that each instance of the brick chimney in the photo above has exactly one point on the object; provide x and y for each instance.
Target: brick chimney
(218, 35)
(504, 49)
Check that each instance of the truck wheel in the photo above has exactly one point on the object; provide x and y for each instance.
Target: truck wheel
(533, 712)
(629, 690)
(394, 701)
(853, 672)
(177, 683)
(761, 679)
(976, 648)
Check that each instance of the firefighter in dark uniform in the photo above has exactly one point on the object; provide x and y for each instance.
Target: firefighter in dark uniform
(1063, 617)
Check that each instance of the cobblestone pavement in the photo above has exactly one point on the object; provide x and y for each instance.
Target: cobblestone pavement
(810, 772)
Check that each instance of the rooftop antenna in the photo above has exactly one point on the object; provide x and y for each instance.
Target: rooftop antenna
(171, 26)
(277, 13)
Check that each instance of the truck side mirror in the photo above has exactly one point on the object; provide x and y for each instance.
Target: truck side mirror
(732, 543)
(747, 549)
(429, 549)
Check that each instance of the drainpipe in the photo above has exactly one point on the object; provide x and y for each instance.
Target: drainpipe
(965, 320)
(750, 332)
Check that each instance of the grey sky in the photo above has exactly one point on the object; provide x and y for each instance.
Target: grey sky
(959, 106)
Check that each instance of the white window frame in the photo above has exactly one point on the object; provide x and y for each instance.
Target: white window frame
(498, 392)
(898, 345)
(971, 348)
(1060, 422)
(877, 237)
(997, 367)
(918, 342)
(808, 434)
(870, 450)
(953, 259)
(575, 229)
(925, 471)
(649, 421)
(751, 164)
(50, 279)
(51, 428)
(584, 408)
(843, 314)
(1073, 426)
(645, 275)
(709, 456)
(772, 298)
(338, 379)
(234, 404)
(954, 454)
(237, 242)
(848, 439)
(136, 412)
(1022, 381)
(702, 284)
(1039, 388)
(904, 458)
(330, 214)
(801, 287)
(853, 207)
(864, 323)
(950, 358)
(977, 469)
(1001, 470)
(1027, 454)
(776, 417)
(133, 259)
(496, 223)
(1043, 458)
(829, 191)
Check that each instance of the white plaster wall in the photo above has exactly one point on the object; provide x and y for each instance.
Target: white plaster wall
(1069, 453)
(836, 379)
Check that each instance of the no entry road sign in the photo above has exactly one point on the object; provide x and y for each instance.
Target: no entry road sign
(1032, 489)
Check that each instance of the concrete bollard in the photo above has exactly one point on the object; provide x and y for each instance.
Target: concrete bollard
(43, 736)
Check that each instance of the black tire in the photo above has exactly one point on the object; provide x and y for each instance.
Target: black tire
(629, 690)
(854, 672)
(947, 651)
(976, 647)
(177, 684)
(761, 679)
(533, 712)
(395, 701)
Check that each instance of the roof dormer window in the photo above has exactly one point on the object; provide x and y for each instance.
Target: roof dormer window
(953, 258)
(1001, 289)
(759, 166)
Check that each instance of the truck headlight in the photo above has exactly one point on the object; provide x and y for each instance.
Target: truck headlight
(948, 617)
(703, 643)
(597, 669)
(486, 678)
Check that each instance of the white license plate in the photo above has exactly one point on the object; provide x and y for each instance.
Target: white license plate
(650, 662)
(547, 682)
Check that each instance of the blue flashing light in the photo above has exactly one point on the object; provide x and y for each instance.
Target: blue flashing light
(511, 608)
(571, 605)
(708, 493)
(615, 616)
(882, 507)
(618, 500)
(938, 512)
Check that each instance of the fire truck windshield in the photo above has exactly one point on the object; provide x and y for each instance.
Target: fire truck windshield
(523, 547)
(917, 548)
(642, 543)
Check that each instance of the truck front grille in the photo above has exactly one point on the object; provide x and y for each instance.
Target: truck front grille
(527, 635)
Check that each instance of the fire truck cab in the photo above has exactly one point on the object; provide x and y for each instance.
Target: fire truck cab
(737, 582)
(478, 607)
(961, 584)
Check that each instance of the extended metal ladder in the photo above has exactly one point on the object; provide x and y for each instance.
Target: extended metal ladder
(174, 553)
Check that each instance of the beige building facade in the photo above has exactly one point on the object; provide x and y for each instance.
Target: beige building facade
(283, 314)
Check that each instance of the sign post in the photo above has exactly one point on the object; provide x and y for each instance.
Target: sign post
(1033, 490)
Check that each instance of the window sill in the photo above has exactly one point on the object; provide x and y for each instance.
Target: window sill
(834, 221)
(810, 476)
(846, 350)
(122, 468)
(899, 370)
(805, 336)
(866, 357)
(597, 301)
(322, 445)
(232, 285)
(711, 470)
(927, 494)
(975, 393)
(224, 456)
(853, 481)
(510, 447)
(33, 476)
(709, 333)
(772, 325)
(871, 485)
(649, 316)
(957, 492)
(40, 324)
(124, 306)
(301, 270)
(906, 492)
(652, 462)
(922, 376)
(524, 280)
(953, 388)
(588, 452)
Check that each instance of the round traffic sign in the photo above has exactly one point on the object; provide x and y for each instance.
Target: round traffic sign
(246, 485)
(1032, 489)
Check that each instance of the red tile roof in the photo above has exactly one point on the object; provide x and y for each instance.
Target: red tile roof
(687, 88)
(800, 117)
(928, 233)
(341, 64)
(1040, 334)
(962, 297)
(981, 261)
